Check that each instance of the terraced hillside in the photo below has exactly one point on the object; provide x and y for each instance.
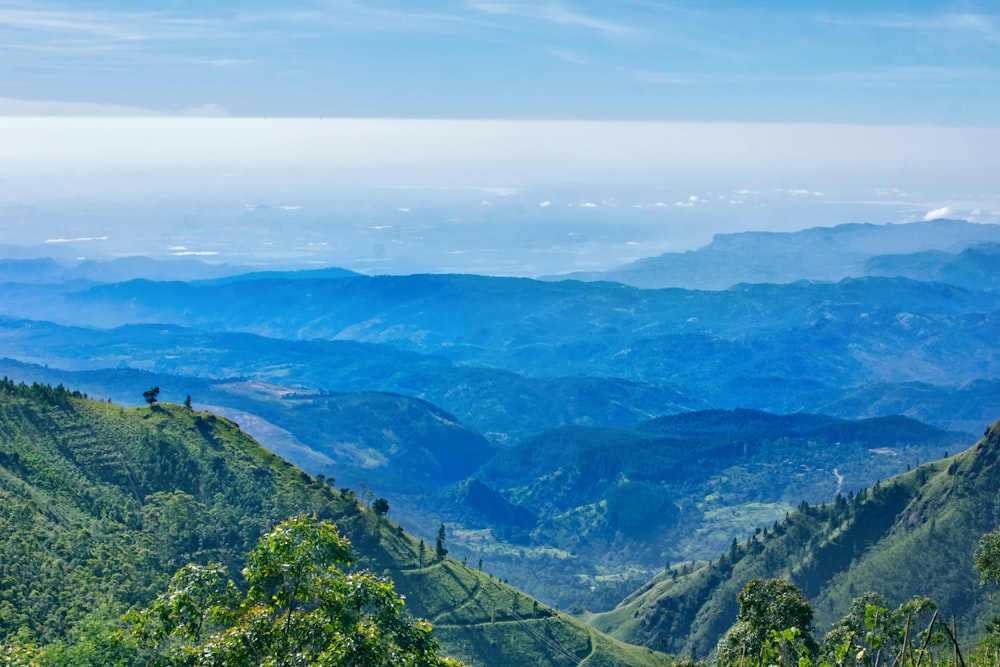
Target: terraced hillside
(101, 504)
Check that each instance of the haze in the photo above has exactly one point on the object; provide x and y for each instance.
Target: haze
(493, 137)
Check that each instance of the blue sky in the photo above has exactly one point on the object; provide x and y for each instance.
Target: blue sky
(495, 136)
(842, 62)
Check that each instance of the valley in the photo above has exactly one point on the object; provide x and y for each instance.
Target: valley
(629, 452)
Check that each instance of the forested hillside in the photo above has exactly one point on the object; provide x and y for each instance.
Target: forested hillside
(913, 535)
(101, 504)
(623, 503)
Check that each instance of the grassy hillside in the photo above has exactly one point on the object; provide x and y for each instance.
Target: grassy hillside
(911, 535)
(100, 504)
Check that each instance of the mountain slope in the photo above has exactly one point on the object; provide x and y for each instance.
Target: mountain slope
(101, 504)
(503, 405)
(976, 267)
(676, 488)
(911, 535)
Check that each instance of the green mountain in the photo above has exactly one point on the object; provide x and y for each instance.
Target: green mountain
(912, 535)
(100, 504)
(672, 489)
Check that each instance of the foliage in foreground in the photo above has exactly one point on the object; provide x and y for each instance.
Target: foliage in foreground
(774, 629)
(300, 609)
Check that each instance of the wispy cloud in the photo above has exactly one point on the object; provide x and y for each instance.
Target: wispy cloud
(79, 27)
(96, 25)
(79, 239)
(568, 56)
(983, 25)
(918, 74)
(368, 15)
(10, 106)
(139, 37)
(15, 107)
(556, 14)
(923, 75)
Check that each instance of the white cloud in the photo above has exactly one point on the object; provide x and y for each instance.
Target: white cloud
(545, 204)
(588, 204)
(195, 253)
(943, 212)
(79, 239)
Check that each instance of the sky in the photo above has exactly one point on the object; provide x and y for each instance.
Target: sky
(174, 114)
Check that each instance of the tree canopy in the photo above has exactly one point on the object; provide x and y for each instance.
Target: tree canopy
(151, 395)
(300, 609)
(987, 557)
(766, 605)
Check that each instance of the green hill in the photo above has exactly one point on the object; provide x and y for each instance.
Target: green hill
(912, 535)
(672, 489)
(100, 504)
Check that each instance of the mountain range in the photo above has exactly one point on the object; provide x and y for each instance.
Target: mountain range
(580, 436)
(935, 249)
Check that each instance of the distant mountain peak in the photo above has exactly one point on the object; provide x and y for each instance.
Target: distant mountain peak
(814, 253)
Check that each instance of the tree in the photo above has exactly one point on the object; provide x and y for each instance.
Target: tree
(187, 402)
(768, 606)
(439, 549)
(300, 609)
(986, 560)
(872, 633)
(987, 557)
(151, 395)
(381, 506)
